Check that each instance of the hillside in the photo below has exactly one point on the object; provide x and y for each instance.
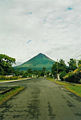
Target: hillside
(37, 63)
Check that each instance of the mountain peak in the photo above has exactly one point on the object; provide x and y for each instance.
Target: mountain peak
(40, 54)
(37, 63)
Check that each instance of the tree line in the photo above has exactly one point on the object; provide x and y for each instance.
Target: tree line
(70, 71)
(6, 63)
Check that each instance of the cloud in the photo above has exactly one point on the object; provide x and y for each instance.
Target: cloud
(29, 41)
(28, 13)
(69, 8)
(51, 26)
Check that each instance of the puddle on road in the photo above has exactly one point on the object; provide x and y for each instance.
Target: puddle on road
(51, 114)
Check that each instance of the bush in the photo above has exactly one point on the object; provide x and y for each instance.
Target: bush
(62, 74)
(74, 76)
(8, 78)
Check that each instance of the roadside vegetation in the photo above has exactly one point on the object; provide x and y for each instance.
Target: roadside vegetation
(6, 63)
(8, 77)
(72, 87)
(74, 76)
(7, 93)
(70, 72)
(7, 72)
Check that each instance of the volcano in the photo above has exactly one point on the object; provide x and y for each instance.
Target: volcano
(37, 63)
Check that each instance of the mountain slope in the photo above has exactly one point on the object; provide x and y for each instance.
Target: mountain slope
(37, 63)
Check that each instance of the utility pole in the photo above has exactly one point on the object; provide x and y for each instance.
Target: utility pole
(77, 63)
(57, 69)
(58, 78)
(57, 66)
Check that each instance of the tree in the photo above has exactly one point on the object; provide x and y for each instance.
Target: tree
(1, 71)
(72, 64)
(29, 70)
(43, 71)
(6, 63)
(37, 73)
(54, 69)
(59, 68)
(62, 66)
(79, 62)
(74, 76)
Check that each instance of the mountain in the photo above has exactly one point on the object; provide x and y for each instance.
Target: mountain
(37, 63)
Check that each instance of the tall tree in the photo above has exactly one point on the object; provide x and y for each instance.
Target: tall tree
(59, 68)
(72, 64)
(79, 62)
(55, 69)
(43, 71)
(6, 63)
(62, 66)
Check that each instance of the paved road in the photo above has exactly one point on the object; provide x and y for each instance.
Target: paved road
(41, 100)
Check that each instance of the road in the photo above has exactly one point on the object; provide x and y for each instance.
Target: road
(41, 100)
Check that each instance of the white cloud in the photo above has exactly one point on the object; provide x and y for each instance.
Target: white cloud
(53, 26)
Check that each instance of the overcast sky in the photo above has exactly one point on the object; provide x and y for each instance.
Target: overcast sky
(29, 27)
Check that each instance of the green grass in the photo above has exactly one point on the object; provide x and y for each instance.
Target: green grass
(2, 77)
(4, 97)
(74, 88)
(13, 79)
(59, 82)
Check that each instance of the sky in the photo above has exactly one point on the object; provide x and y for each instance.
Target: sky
(30, 27)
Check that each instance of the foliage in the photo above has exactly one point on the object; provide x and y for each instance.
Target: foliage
(72, 64)
(59, 67)
(62, 66)
(8, 78)
(43, 71)
(62, 74)
(79, 62)
(6, 63)
(54, 69)
(74, 76)
(68, 73)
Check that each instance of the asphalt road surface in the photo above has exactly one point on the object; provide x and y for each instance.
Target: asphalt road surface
(41, 100)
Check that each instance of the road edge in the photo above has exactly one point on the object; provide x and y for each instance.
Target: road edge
(66, 86)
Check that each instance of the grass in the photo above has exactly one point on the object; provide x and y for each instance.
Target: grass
(72, 87)
(75, 89)
(13, 80)
(4, 97)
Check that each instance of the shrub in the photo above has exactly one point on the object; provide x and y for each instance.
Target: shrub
(62, 74)
(74, 76)
(8, 78)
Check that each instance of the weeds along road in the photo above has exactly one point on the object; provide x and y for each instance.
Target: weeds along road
(41, 100)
